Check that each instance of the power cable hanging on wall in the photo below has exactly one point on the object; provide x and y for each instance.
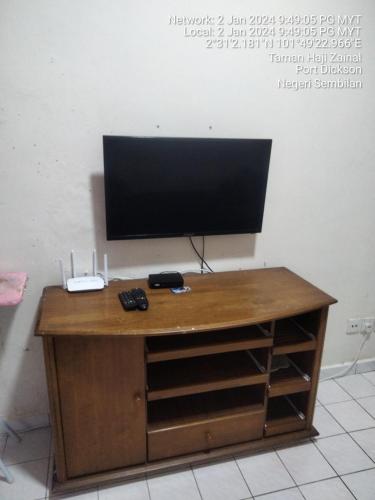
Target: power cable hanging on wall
(347, 370)
(201, 256)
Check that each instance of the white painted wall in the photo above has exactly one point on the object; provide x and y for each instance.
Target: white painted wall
(73, 71)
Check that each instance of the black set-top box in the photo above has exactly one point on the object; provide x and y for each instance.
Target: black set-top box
(165, 280)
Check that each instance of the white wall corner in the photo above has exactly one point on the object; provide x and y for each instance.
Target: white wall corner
(363, 366)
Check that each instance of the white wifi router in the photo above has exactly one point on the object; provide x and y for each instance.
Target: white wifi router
(84, 283)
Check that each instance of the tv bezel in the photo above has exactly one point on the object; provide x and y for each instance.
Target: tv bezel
(139, 236)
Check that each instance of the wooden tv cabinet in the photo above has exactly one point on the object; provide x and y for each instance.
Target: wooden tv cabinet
(191, 379)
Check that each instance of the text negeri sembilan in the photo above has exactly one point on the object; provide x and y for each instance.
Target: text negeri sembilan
(315, 45)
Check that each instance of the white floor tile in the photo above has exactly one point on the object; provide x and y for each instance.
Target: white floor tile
(368, 404)
(370, 376)
(332, 489)
(35, 445)
(221, 481)
(132, 490)
(305, 463)
(264, 473)
(351, 416)
(29, 481)
(330, 392)
(325, 424)
(179, 486)
(361, 484)
(344, 454)
(366, 440)
(357, 386)
(291, 494)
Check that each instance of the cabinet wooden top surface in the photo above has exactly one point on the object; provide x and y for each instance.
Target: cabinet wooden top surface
(216, 301)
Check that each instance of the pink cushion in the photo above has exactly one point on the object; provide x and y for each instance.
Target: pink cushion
(12, 286)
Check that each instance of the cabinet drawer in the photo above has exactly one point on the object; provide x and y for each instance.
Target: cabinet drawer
(205, 435)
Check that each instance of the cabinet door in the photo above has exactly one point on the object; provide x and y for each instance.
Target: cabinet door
(102, 402)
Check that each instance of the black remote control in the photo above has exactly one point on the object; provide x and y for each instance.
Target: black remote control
(139, 296)
(127, 300)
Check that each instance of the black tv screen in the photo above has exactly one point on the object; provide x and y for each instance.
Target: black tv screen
(163, 186)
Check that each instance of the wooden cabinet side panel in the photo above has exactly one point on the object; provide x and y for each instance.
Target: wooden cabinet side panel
(102, 399)
(316, 368)
(54, 404)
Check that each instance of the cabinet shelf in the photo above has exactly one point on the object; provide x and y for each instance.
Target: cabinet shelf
(288, 381)
(290, 336)
(202, 374)
(201, 344)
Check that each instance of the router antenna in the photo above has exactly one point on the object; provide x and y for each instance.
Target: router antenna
(72, 265)
(105, 269)
(62, 273)
(94, 263)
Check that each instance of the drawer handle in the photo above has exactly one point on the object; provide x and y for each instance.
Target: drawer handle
(209, 436)
(138, 398)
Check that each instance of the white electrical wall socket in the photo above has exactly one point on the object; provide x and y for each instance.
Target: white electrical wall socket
(360, 325)
(353, 325)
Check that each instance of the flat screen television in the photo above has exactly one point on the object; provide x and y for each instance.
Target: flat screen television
(166, 186)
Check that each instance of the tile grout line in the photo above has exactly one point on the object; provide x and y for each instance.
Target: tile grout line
(365, 397)
(372, 418)
(326, 459)
(359, 446)
(243, 477)
(286, 468)
(196, 482)
(347, 487)
(371, 371)
(364, 409)
(309, 482)
(357, 472)
(277, 491)
(354, 397)
(329, 413)
(343, 388)
(334, 380)
(348, 473)
(338, 423)
(148, 487)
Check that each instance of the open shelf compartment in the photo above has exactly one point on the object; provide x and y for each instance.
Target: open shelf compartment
(294, 377)
(202, 374)
(174, 412)
(163, 348)
(297, 333)
(205, 421)
(286, 414)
